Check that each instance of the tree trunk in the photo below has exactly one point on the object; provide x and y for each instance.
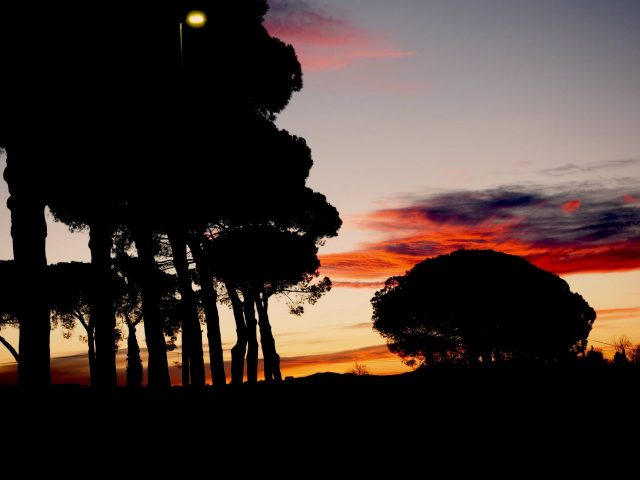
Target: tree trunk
(9, 347)
(184, 351)
(92, 357)
(191, 331)
(271, 358)
(134, 362)
(29, 234)
(102, 311)
(252, 337)
(210, 305)
(158, 366)
(240, 348)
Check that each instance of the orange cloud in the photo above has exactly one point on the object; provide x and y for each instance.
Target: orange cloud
(600, 236)
(618, 313)
(571, 206)
(375, 284)
(326, 40)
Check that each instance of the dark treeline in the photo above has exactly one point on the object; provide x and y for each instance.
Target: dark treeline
(159, 140)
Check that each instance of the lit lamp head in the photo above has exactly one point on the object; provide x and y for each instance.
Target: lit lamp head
(196, 19)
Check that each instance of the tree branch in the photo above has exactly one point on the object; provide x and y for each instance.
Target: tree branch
(78, 314)
(10, 348)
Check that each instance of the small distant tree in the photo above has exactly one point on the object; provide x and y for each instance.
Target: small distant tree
(595, 357)
(474, 304)
(359, 369)
(634, 355)
(622, 345)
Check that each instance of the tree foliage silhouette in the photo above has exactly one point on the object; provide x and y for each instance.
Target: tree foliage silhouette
(122, 72)
(268, 250)
(480, 303)
(96, 168)
(69, 300)
(262, 262)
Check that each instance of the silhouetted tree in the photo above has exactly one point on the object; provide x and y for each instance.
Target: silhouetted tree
(130, 309)
(29, 232)
(88, 197)
(239, 350)
(268, 256)
(209, 300)
(8, 305)
(595, 357)
(634, 355)
(129, 305)
(263, 262)
(622, 345)
(69, 285)
(481, 303)
(41, 143)
(259, 74)
(359, 369)
(246, 81)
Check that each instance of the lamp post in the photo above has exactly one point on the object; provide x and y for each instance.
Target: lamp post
(194, 19)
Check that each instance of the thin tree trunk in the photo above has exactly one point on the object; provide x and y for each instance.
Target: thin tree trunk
(252, 337)
(212, 317)
(134, 362)
(191, 331)
(158, 366)
(240, 348)
(29, 234)
(102, 311)
(271, 358)
(92, 357)
(12, 350)
(184, 351)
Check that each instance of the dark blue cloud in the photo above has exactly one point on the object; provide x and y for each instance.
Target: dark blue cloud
(602, 215)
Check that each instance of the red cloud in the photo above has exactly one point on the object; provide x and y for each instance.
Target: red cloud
(571, 206)
(630, 199)
(322, 40)
(604, 237)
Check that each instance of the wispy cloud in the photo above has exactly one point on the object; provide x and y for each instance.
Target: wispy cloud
(572, 169)
(357, 326)
(619, 313)
(353, 284)
(563, 229)
(326, 39)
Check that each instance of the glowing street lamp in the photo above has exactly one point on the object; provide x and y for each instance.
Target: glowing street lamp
(195, 19)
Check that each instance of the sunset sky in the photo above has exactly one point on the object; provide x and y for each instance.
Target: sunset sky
(437, 125)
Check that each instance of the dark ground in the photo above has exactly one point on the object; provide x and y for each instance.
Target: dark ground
(530, 413)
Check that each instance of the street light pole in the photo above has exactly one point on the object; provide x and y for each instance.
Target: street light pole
(194, 19)
(181, 25)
